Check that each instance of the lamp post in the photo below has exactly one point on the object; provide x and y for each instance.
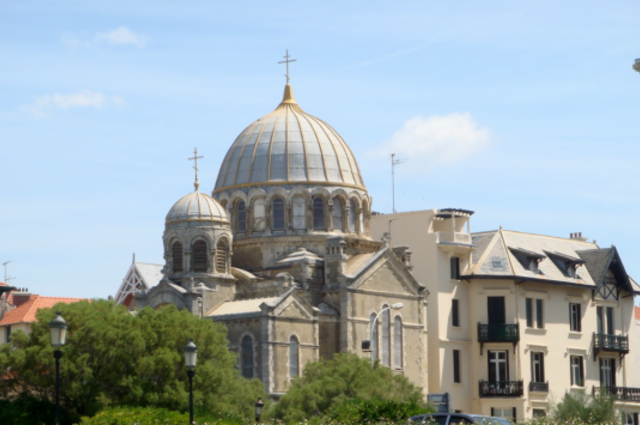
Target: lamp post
(366, 345)
(190, 358)
(259, 406)
(58, 328)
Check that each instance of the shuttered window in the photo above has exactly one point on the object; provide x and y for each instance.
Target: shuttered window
(176, 253)
(199, 255)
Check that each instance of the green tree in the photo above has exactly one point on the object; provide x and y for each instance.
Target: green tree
(585, 408)
(326, 384)
(115, 358)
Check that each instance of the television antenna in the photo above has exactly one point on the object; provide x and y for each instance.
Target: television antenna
(7, 278)
(394, 162)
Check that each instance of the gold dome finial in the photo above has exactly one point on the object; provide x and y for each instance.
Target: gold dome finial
(288, 95)
(195, 167)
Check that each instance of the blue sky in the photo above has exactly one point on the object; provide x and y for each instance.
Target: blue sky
(527, 114)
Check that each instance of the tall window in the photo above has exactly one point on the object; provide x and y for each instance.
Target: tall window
(278, 214)
(608, 373)
(605, 320)
(293, 357)
(299, 213)
(397, 343)
(337, 214)
(577, 371)
(498, 366)
(176, 253)
(318, 214)
(246, 356)
(455, 313)
(385, 337)
(200, 257)
(575, 317)
(221, 257)
(455, 268)
(258, 215)
(534, 313)
(456, 366)
(352, 215)
(537, 367)
(241, 217)
(374, 337)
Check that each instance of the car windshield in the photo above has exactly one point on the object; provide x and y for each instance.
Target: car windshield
(490, 420)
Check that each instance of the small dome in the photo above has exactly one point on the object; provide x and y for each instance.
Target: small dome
(289, 146)
(196, 207)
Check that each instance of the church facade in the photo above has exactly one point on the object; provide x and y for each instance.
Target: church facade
(281, 253)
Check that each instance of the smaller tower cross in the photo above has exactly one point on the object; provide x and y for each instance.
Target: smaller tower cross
(287, 60)
(195, 167)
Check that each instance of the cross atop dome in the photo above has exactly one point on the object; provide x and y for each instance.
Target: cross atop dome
(195, 167)
(287, 60)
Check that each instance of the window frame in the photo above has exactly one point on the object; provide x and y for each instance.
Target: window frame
(576, 365)
(454, 264)
(294, 348)
(241, 216)
(246, 352)
(534, 313)
(281, 220)
(319, 214)
(455, 312)
(537, 373)
(575, 317)
(456, 367)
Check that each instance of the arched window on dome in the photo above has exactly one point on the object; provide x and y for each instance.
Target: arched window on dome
(337, 214)
(241, 217)
(353, 212)
(246, 357)
(277, 212)
(365, 206)
(221, 257)
(397, 343)
(176, 254)
(258, 215)
(299, 213)
(318, 214)
(199, 257)
(294, 365)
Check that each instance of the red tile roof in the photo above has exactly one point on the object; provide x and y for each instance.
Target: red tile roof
(637, 310)
(26, 313)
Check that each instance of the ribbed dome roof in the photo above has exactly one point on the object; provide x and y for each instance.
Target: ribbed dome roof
(289, 146)
(197, 206)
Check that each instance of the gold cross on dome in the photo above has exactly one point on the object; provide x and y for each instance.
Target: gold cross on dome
(195, 167)
(287, 60)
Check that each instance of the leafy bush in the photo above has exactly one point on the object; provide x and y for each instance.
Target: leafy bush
(153, 416)
(31, 411)
(114, 358)
(368, 411)
(327, 384)
(587, 409)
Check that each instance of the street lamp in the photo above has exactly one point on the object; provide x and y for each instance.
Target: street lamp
(190, 358)
(259, 406)
(366, 344)
(58, 328)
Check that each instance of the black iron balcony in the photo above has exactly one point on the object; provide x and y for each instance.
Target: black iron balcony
(608, 342)
(539, 387)
(501, 389)
(620, 393)
(498, 333)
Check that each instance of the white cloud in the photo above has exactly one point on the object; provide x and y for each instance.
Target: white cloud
(118, 36)
(86, 98)
(426, 143)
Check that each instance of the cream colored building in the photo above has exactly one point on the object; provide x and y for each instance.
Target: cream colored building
(281, 253)
(517, 319)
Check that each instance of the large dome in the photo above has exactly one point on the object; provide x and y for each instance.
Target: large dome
(289, 146)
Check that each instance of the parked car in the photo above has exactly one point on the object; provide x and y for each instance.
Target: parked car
(456, 419)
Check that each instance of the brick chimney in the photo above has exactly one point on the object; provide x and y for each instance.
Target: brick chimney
(21, 296)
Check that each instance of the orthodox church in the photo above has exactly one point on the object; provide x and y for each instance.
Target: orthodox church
(281, 253)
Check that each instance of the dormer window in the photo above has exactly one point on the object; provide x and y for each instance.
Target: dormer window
(567, 264)
(529, 260)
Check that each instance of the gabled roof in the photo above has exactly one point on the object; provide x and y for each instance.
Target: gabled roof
(140, 276)
(26, 313)
(599, 261)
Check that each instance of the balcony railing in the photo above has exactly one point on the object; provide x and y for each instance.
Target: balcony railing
(498, 333)
(608, 342)
(620, 393)
(539, 387)
(454, 238)
(501, 389)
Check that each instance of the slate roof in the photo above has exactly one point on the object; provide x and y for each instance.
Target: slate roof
(494, 256)
(26, 313)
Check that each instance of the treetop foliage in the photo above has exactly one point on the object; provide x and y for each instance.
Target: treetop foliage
(115, 358)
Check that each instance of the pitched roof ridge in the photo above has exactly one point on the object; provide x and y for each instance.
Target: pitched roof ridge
(547, 236)
(506, 251)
